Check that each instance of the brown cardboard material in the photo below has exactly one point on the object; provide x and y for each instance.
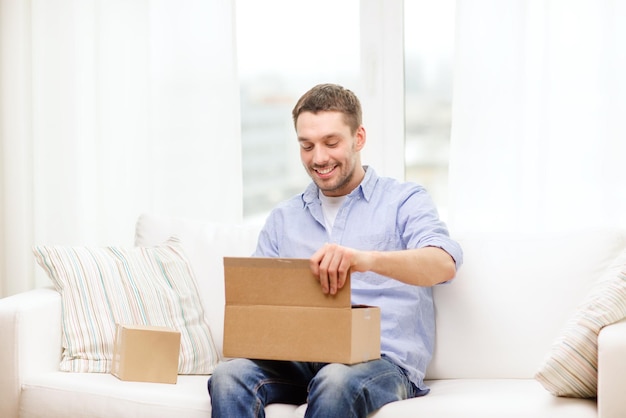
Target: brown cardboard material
(275, 310)
(144, 353)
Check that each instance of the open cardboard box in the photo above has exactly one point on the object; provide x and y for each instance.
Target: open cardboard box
(275, 310)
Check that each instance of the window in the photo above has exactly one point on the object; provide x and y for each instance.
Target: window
(285, 48)
(428, 64)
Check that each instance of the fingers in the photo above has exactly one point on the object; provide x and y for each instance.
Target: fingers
(330, 265)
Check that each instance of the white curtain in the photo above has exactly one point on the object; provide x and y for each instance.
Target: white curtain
(538, 138)
(111, 108)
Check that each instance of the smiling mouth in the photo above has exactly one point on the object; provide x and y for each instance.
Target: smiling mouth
(324, 171)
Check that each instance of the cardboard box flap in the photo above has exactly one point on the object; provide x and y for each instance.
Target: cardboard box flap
(270, 281)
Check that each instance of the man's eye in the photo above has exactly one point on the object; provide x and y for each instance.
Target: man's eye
(307, 147)
(332, 144)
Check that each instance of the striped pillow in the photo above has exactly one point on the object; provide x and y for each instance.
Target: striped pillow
(100, 287)
(571, 368)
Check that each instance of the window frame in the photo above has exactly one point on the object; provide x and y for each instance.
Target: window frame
(382, 85)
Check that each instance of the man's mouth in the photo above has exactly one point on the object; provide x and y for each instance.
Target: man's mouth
(324, 171)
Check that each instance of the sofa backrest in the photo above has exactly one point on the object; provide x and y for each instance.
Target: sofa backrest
(512, 297)
(497, 319)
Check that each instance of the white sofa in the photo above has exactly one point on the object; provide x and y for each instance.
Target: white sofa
(495, 325)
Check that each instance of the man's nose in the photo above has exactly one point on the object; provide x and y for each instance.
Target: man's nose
(320, 156)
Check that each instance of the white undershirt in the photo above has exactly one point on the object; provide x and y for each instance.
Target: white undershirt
(330, 208)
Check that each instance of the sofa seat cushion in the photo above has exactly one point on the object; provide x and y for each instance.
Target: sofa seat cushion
(488, 398)
(485, 398)
(62, 395)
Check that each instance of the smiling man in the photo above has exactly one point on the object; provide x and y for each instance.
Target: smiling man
(330, 142)
(387, 233)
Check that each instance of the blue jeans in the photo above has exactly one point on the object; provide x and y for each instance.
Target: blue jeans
(241, 388)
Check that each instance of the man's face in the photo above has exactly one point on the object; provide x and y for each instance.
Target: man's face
(330, 152)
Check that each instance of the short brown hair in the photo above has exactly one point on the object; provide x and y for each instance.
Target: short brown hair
(330, 97)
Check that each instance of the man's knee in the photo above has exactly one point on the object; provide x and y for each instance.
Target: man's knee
(335, 384)
(232, 388)
(335, 376)
(356, 390)
(231, 375)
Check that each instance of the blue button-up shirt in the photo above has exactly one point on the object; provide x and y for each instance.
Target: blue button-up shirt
(381, 214)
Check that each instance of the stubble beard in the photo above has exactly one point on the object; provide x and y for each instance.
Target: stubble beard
(340, 183)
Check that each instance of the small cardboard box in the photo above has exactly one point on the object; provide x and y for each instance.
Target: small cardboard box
(143, 353)
(275, 310)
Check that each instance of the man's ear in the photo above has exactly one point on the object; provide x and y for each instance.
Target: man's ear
(360, 138)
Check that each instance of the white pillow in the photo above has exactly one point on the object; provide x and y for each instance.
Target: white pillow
(100, 287)
(571, 367)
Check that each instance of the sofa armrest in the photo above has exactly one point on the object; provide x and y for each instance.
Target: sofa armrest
(612, 370)
(30, 326)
